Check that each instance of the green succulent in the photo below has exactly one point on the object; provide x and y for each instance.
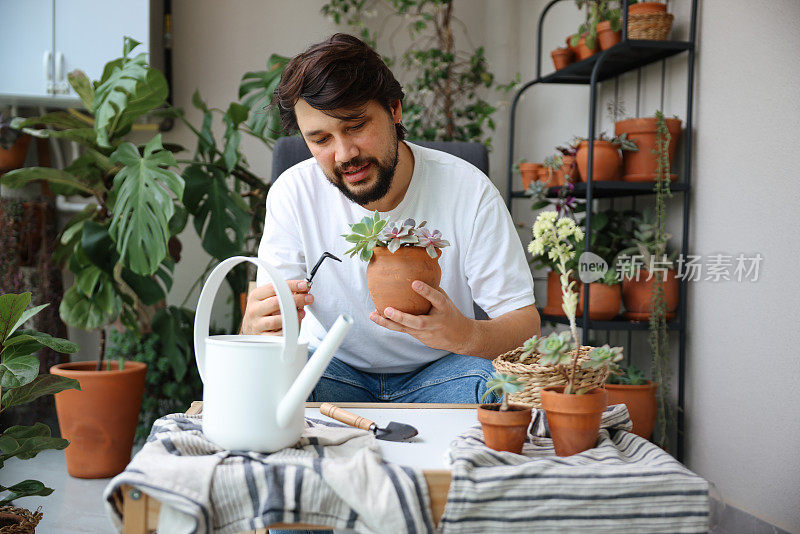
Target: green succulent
(629, 376)
(529, 348)
(505, 385)
(605, 357)
(366, 235)
(554, 349)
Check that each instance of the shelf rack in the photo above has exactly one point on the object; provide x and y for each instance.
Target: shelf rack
(626, 56)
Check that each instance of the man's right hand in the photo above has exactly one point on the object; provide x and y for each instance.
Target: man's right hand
(263, 313)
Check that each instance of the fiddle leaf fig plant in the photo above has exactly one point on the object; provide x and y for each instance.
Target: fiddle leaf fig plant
(369, 233)
(21, 383)
(505, 385)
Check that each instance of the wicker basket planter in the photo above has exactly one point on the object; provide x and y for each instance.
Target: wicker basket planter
(538, 376)
(15, 520)
(649, 26)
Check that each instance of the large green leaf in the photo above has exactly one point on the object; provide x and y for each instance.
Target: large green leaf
(90, 312)
(217, 216)
(173, 342)
(82, 86)
(142, 206)
(86, 135)
(98, 247)
(12, 307)
(57, 344)
(45, 384)
(27, 314)
(147, 288)
(59, 119)
(58, 178)
(259, 87)
(26, 488)
(25, 442)
(111, 96)
(145, 97)
(17, 366)
(206, 145)
(235, 115)
(86, 169)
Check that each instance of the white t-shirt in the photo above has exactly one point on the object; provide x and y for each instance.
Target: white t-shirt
(306, 216)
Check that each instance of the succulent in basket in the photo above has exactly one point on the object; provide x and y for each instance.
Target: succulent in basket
(397, 254)
(505, 426)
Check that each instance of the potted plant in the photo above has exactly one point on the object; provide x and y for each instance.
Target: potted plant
(13, 146)
(397, 255)
(573, 410)
(569, 164)
(607, 158)
(552, 176)
(529, 172)
(505, 426)
(562, 57)
(629, 387)
(641, 165)
(21, 383)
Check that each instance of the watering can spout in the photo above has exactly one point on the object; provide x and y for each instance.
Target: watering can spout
(311, 373)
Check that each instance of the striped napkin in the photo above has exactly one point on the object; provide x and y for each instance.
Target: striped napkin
(624, 484)
(334, 476)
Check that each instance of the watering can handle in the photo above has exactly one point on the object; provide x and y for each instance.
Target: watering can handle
(203, 315)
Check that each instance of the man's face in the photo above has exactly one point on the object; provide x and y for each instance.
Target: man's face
(358, 155)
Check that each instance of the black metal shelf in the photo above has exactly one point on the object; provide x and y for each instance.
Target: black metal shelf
(623, 57)
(619, 323)
(608, 189)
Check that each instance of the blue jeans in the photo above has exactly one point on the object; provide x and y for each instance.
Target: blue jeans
(452, 378)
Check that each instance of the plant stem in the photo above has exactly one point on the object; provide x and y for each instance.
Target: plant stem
(102, 349)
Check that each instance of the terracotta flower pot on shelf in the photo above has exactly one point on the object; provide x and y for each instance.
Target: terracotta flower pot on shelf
(640, 166)
(14, 157)
(644, 8)
(582, 51)
(389, 278)
(504, 431)
(550, 177)
(606, 161)
(529, 173)
(606, 37)
(604, 301)
(573, 420)
(561, 57)
(569, 166)
(637, 295)
(100, 419)
(641, 403)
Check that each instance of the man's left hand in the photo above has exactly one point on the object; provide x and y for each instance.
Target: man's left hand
(444, 327)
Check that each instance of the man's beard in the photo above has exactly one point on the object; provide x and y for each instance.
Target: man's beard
(385, 175)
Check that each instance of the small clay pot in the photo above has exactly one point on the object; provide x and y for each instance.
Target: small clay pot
(637, 295)
(641, 403)
(504, 431)
(529, 173)
(14, 157)
(605, 164)
(573, 420)
(644, 8)
(389, 278)
(606, 37)
(569, 166)
(640, 166)
(561, 57)
(604, 301)
(582, 51)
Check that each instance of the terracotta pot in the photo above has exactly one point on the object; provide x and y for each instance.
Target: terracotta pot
(100, 419)
(640, 166)
(636, 295)
(641, 403)
(561, 57)
(606, 37)
(389, 278)
(604, 301)
(504, 431)
(573, 48)
(569, 166)
(643, 8)
(14, 157)
(582, 51)
(529, 173)
(551, 178)
(573, 420)
(606, 161)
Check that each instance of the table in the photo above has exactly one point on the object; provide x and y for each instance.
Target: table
(425, 451)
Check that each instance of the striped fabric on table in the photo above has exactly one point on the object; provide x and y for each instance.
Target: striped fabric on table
(624, 484)
(334, 476)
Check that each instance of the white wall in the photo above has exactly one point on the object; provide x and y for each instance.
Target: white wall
(742, 398)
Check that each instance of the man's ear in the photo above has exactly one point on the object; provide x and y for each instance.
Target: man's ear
(397, 111)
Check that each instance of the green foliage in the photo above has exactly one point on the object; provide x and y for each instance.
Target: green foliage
(445, 100)
(372, 231)
(505, 385)
(629, 376)
(366, 236)
(21, 383)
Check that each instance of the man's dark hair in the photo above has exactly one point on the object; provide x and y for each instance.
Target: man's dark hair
(341, 73)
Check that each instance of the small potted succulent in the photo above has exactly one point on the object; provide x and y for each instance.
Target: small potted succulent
(505, 426)
(397, 254)
(13, 146)
(629, 387)
(551, 173)
(569, 164)
(20, 383)
(529, 172)
(573, 410)
(607, 158)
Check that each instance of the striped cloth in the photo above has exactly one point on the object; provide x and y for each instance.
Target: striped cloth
(625, 484)
(334, 477)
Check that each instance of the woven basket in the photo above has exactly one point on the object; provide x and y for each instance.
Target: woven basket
(650, 26)
(29, 520)
(538, 376)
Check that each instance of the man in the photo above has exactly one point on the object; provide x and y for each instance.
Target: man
(346, 104)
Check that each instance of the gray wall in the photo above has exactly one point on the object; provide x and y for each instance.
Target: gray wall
(742, 422)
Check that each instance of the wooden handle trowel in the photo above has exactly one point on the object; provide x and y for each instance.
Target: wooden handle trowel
(392, 432)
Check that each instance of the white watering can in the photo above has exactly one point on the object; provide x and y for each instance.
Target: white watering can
(255, 387)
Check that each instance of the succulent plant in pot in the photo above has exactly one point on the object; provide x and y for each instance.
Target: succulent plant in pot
(628, 386)
(13, 145)
(607, 158)
(397, 254)
(505, 426)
